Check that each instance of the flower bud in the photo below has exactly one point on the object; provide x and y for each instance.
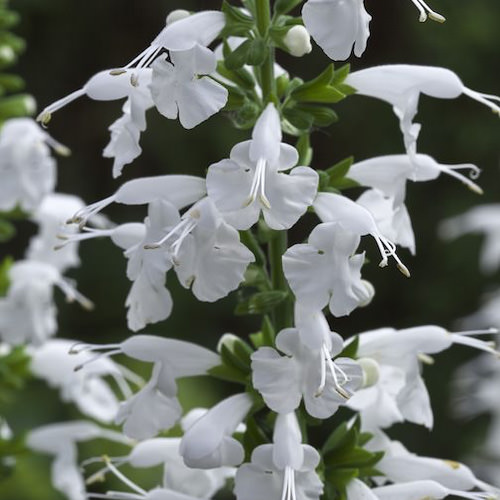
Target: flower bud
(298, 41)
(177, 15)
(370, 292)
(371, 371)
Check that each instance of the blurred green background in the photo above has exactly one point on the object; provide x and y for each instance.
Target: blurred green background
(69, 41)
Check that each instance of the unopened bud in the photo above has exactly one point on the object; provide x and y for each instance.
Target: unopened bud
(370, 293)
(298, 41)
(177, 15)
(371, 371)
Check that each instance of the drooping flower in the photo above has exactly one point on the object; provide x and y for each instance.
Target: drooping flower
(298, 41)
(305, 373)
(400, 85)
(60, 441)
(392, 220)
(355, 218)
(50, 216)
(86, 387)
(325, 272)
(337, 25)
(27, 168)
(172, 359)
(27, 312)
(253, 179)
(284, 469)
(208, 443)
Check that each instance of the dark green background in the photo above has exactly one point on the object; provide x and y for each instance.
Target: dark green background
(69, 41)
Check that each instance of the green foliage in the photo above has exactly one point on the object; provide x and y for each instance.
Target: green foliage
(351, 349)
(238, 23)
(235, 360)
(345, 458)
(5, 266)
(335, 178)
(261, 302)
(14, 370)
(9, 449)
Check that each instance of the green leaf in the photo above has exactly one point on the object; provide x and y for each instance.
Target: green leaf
(237, 58)
(285, 6)
(229, 374)
(7, 230)
(14, 370)
(322, 116)
(11, 83)
(241, 77)
(231, 358)
(261, 302)
(18, 105)
(343, 437)
(257, 53)
(340, 74)
(299, 119)
(5, 266)
(351, 349)
(234, 14)
(340, 169)
(254, 436)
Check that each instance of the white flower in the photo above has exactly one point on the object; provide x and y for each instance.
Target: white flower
(86, 387)
(111, 85)
(337, 25)
(209, 257)
(401, 85)
(357, 219)
(60, 440)
(417, 490)
(27, 169)
(483, 219)
(388, 174)
(325, 271)
(400, 393)
(392, 220)
(253, 179)
(298, 41)
(28, 313)
(208, 442)
(304, 373)
(180, 190)
(284, 469)
(172, 359)
(178, 88)
(51, 214)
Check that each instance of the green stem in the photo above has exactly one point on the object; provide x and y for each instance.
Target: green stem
(263, 18)
(283, 315)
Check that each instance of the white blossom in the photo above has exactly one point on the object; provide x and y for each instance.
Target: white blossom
(284, 469)
(325, 272)
(337, 25)
(298, 41)
(400, 85)
(253, 179)
(27, 168)
(208, 442)
(304, 373)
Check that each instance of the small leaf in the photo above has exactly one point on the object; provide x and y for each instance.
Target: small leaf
(257, 53)
(261, 302)
(5, 266)
(285, 6)
(340, 169)
(237, 58)
(351, 349)
(7, 230)
(299, 119)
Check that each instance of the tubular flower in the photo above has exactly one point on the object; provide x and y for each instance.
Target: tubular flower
(27, 312)
(284, 469)
(253, 179)
(400, 85)
(207, 443)
(305, 373)
(172, 359)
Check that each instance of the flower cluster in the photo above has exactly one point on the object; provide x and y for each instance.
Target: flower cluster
(210, 231)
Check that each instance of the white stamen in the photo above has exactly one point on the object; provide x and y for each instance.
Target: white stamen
(96, 357)
(123, 478)
(482, 345)
(258, 187)
(426, 11)
(327, 360)
(450, 170)
(288, 492)
(80, 347)
(389, 249)
(45, 116)
(88, 234)
(72, 294)
(484, 99)
(480, 495)
(82, 216)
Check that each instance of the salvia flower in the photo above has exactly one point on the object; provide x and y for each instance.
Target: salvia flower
(305, 373)
(208, 442)
(253, 179)
(284, 469)
(171, 359)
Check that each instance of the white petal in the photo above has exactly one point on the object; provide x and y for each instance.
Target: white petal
(415, 490)
(200, 28)
(277, 379)
(289, 196)
(199, 100)
(358, 490)
(288, 450)
(266, 136)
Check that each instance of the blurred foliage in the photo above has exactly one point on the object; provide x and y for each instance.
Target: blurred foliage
(67, 42)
